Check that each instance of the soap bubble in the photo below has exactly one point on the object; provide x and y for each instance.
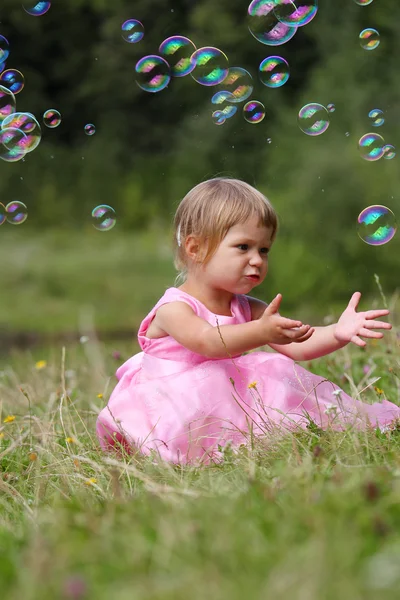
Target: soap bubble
(363, 2)
(265, 27)
(103, 217)
(239, 83)
(3, 216)
(371, 146)
(90, 129)
(13, 80)
(376, 225)
(331, 108)
(218, 117)
(4, 48)
(295, 13)
(7, 103)
(389, 151)
(52, 118)
(313, 119)
(17, 212)
(223, 103)
(27, 123)
(36, 9)
(132, 31)
(177, 51)
(153, 73)
(12, 144)
(254, 111)
(274, 71)
(376, 116)
(210, 66)
(369, 39)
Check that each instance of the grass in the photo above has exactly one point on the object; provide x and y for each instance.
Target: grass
(312, 515)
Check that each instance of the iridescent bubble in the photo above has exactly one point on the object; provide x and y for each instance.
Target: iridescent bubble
(369, 39)
(376, 225)
(363, 2)
(295, 13)
(239, 83)
(52, 118)
(2, 66)
(132, 31)
(3, 216)
(274, 71)
(13, 80)
(153, 73)
(265, 27)
(17, 212)
(12, 144)
(331, 108)
(218, 117)
(389, 151)
(210, 66)
(36, 9)
(4, 48)
(254, 111)
(313, 119)
(7, 103)
(103, 217)
(223, 103)
(90, 129)
(27, 123)
(371, 146)
(376, 116)
(177, 51)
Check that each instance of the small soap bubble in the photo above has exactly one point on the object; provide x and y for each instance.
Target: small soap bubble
(377, 117)
(12, 144)
(239, 83)
(371, 146)
(17, 213)
(218, 117)
(264, 25)
(389, 151)
(3, 215)
(254, 111)
(36, 9)
(331, 108)
(27, 123)
(347, 134)
(153, 73)
(376, 225)
(369, 39)
(90, 129)
(297, 13)
(274, 71)
(13, 80)
(4, 48)
(103, 217)
(223, 102)
(7, 103)
(363, 2)
(313, 119)
(132, 31)
(269, 141)
(210, 66)
(177, 51)
(52, 118)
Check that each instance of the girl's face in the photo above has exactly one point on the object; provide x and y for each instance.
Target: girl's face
(243, 252)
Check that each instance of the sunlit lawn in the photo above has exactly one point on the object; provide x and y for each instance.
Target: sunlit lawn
(310, 515)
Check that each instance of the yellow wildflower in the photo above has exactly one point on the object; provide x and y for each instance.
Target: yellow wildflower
(1, 436)
(70, 440)
(91, 481)
(99, 395)
(33, 456)
(378, 390)
(41, 364)
(9, 419)
(252, 384)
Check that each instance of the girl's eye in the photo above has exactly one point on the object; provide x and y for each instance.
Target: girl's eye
(245, 246)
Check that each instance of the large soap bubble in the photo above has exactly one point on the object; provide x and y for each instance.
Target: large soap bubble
(27, 123)
(264, 25)
(274, 71)
(177, 51)
(295, 13)
(153, 73)
(36, 9)
(371, 146)
(313, 119)
(376, 225)
(210, 66)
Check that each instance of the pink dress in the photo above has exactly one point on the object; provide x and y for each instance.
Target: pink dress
(183, 405)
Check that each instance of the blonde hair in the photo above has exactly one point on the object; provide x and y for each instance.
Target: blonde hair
(209, 210)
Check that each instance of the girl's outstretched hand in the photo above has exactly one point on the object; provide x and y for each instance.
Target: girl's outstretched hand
(353, 324)
(280, 330)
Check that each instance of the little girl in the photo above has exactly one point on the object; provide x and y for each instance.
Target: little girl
(192, 388)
